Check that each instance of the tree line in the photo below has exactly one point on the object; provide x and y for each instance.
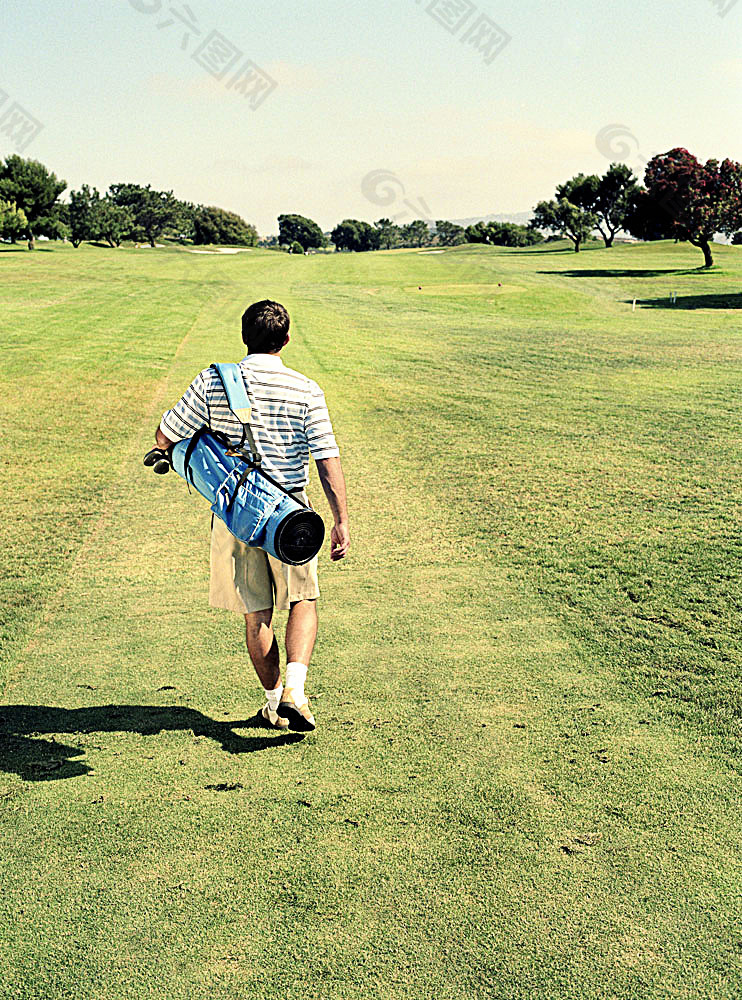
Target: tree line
(681, 198)
(296, 233)
(30, 207)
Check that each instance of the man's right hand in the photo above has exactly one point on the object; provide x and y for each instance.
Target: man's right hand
(333, 483)
(339, 542)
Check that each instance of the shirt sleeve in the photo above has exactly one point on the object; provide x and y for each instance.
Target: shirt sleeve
(318, 427)
(189, 414)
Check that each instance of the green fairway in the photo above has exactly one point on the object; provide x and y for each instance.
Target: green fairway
(525, 778)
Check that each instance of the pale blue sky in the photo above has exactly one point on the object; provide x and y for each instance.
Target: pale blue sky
(368, 86)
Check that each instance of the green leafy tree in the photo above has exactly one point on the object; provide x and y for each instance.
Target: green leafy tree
(476, 233)
(56, 223)
(217, 225)
(616, 193)
(345, 235)
(449, 234)
(296, 247)
(353, 234)
(564, 217)
(609, 197)
(510, 234)
(82, 212)
(183, 228)
(113, 223)
(154, 211)
(646, 219)
(390, 235)
(34, 190)
(581, 190)
(689, 200)
(13, 221)
(416, 233)
(503, 234)
(299, 229)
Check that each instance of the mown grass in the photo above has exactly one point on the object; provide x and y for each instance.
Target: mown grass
(525, 780)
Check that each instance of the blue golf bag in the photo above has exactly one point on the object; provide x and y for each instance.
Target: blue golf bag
(254, 507)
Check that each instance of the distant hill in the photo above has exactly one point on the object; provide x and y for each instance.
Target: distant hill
(521, 218)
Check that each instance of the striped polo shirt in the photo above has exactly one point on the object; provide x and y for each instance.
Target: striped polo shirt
(289, 417)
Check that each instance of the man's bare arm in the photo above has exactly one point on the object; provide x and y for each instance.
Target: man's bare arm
(333, 483)
(162, 441)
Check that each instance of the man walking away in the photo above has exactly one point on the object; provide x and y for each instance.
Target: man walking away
(289, 420)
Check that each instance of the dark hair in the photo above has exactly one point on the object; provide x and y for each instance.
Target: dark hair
(265, 326)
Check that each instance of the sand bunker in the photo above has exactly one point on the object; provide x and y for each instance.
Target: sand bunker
(224, 250)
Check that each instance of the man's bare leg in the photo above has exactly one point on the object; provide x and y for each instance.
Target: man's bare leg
(301, 632)
(263, 648)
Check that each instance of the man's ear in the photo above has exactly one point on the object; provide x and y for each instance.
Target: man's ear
(288, 338)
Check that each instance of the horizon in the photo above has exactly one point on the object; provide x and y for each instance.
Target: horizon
(308, 118)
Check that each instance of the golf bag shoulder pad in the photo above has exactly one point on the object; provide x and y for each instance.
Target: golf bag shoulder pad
(234, 386)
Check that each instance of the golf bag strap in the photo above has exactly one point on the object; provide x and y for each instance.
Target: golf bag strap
(250, 466)
(189, 452)
(248, 469)
(230, 375)
(289, 493)
(231, 378)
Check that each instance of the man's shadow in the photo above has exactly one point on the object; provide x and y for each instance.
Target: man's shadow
(35, 759)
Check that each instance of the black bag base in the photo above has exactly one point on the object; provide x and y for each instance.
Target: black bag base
(299, 537)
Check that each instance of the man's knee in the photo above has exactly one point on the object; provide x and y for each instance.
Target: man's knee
(305, 603)
(255, 620)
(304, 611)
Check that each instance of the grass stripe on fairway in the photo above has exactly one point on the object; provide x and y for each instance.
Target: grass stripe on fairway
(525, 776)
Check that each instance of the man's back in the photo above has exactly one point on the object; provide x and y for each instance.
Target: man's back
(289, 417)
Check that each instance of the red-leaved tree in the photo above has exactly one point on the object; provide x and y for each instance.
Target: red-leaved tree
(692, 200)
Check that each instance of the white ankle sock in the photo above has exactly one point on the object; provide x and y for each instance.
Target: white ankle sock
(274, 696)
(296, 674)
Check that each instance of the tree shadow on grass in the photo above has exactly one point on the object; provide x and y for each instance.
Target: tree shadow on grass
(12, 249)
(567, 250)
(622, 272)
(719, 300)
(35, 759)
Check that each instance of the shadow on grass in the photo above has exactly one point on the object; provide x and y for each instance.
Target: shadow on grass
(548, 250)
(12, 249)
(34, 759)
(732, 300)
(521, 251)
(622, 272)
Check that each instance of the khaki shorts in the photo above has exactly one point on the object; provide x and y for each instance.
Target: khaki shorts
(245, 579)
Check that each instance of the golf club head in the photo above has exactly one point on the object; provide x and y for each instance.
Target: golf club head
(158, 460)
